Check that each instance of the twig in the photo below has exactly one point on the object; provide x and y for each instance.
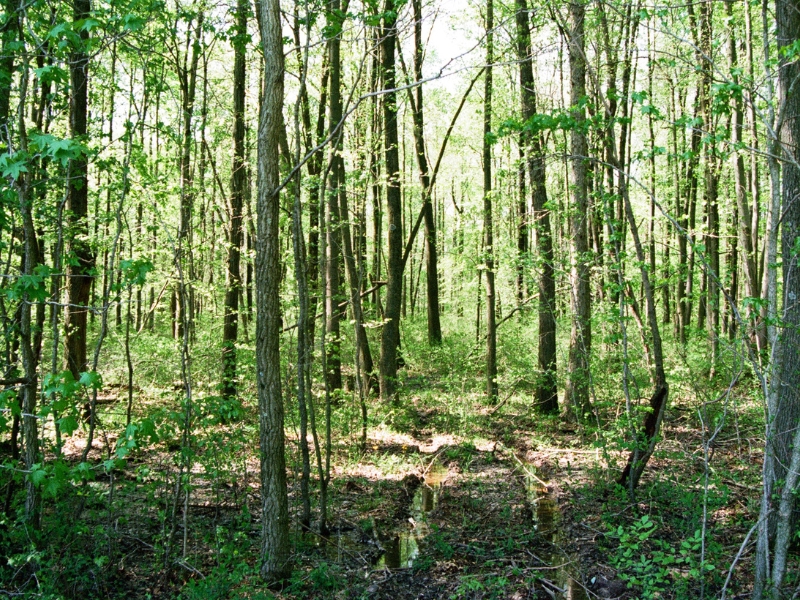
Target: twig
(529, 472)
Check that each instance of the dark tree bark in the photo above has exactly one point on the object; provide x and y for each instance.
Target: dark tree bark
(339, 211)
(80, 271)
(546, 389)
(233, 281)
(274, 505)
(390, 335)
(333, 224)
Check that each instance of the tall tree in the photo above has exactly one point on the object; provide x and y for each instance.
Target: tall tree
(390, 335)
(274, 500)
(431, 253)
(80, 269)
(546, 389)
(782, 454)
(578, 385)
(339, 210)
(188, 85)
(233, 280)
(333, 226)
(488, 233)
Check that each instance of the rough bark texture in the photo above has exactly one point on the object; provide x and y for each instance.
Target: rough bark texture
(79, 273)
(783, 441)
(546, 389)
(233, 282)
(390, 335)
(578, 385)
(274, 508)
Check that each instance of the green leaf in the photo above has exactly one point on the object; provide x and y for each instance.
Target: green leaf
(91, 379)
(37, 475)
(13, 165)
(68, 424)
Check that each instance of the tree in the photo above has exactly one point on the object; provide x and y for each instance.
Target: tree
(782, 453)
(580, 345)
(333, 226)
(431, 252)
(233, 280)
(546, 389)
(390, 335)
(274, 500)
(81, 267)
(488, 233)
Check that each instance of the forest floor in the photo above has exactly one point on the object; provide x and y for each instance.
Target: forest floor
(516, 506)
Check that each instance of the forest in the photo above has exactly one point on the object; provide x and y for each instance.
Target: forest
(399, 299)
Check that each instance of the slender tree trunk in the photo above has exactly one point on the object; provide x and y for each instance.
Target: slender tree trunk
(751, 283)
(645, 445)
(431, 255)
(782, 453)
(578, 386)
(333, 224)
(188, 81)
(547, 389)
(488, 234)
(390, 335)
(80, 271)
(233, 281)
(26, 345)
(8, 35)
(274, 507)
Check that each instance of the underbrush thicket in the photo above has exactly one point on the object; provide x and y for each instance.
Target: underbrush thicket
(112, 526)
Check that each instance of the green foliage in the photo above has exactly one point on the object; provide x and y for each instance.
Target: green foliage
(655, 565)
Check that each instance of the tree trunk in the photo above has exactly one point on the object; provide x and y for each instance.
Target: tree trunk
(578, 386)
(782, 453)
(390, 335)
(233, 281)
(488, 234)
(80, 272)
(547, 388)
(431, 255)
(188, 81)
(274, 506)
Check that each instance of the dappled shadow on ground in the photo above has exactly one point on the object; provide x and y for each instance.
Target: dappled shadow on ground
(517, 506)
